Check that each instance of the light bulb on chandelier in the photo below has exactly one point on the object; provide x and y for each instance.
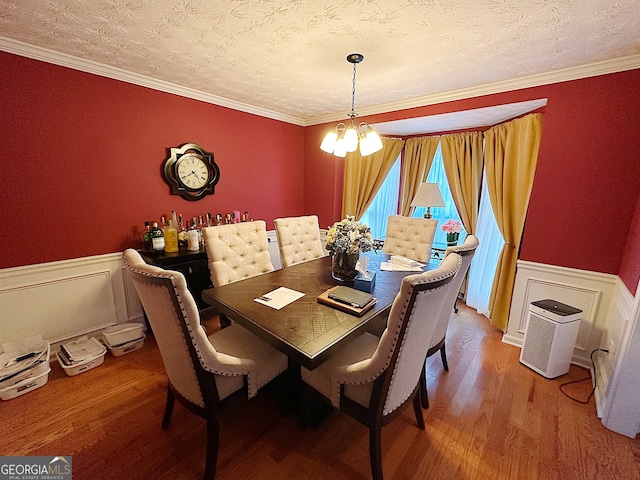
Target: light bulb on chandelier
(347, 138)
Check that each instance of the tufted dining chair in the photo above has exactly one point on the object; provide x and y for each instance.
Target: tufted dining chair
(237, 251)
(373, 377)
(298, 239)
(466, 252)
(410, 237)
(207, 375)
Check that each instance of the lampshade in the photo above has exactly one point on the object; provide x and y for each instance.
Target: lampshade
(428, 196)
(347, 139)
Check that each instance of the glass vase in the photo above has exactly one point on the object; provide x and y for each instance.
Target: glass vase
(343, 266)
(452, 239)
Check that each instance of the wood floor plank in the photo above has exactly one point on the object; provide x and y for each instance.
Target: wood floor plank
(490, 418)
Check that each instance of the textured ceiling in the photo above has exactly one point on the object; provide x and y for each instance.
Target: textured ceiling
(288, 56)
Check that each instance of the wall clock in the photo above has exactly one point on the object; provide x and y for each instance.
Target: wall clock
(191, 172)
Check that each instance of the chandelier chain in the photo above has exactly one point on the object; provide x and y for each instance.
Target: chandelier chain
(353, 113)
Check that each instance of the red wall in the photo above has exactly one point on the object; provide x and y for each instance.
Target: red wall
(81, 169)
(83, 156)
(587, 180)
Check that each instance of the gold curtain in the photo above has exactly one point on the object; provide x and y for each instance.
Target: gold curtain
(463, 162)
(511, 155)
(418, 157)
(363, 176)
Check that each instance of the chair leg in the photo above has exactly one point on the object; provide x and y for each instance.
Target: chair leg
(418, 411)
(375, 450)
(443, 355)
(422, 389)
(224, 321)
(213, 435)
(455, 306)
(168, 408)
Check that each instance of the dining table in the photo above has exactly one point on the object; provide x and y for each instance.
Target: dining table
(307, 331)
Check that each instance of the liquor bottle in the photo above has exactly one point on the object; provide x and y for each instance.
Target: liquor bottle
(146, 237)
(193, 239)
(174, 219)
(170, 238)
(201, 226)
(182, 233)
(209, 220)
(163, 224)
(219, 219)
(157, 239)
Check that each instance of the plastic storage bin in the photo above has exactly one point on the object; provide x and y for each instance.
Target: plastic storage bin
(81, 355)
(123, 333)
(77, 368)
(25, 385)
(123, 349)
(27, 374)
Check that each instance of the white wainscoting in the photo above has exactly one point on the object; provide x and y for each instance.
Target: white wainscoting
(607, 307)
(591, 292)
(65, 299)
(69, 298)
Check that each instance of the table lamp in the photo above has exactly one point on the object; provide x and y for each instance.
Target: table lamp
(428, 196)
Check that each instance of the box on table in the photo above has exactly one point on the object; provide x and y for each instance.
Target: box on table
(365, 284)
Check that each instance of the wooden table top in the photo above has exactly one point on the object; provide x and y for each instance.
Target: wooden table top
(305, 330)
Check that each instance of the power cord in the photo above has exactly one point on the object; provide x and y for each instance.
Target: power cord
(595, 379)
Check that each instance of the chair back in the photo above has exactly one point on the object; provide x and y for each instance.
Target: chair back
(405, 341)
(298, 239)
(466, 252)
(410, 237)
(197, 371)
(175, 321)
(237, 251)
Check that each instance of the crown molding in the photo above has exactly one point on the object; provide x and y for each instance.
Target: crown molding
(573, 73)
(89, 66)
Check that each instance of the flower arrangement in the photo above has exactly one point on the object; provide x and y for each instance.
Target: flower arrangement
(452, 226)
(453, 229)
(349, 236)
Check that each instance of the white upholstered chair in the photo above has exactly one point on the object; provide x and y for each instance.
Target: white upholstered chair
(466, 252)
(372, 377)
(410, 237)
(237, 251)
(207, 375)
(298, 239)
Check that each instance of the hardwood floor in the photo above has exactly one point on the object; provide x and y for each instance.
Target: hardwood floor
(490, 418)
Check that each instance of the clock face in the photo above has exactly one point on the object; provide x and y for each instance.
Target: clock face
(192, 171)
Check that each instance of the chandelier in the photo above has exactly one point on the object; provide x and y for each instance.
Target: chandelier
(347, 139)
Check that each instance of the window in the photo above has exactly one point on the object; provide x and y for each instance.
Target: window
(441, 214)
(384, 204)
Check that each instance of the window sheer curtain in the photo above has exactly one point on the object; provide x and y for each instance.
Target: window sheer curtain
(418, 157)
(463, 162)
(483, 266)
(363, 176)
(511, 155)
(384, 204)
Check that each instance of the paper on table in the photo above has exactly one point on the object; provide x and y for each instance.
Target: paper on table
(280, 297)
(407, 262)
(396, 267)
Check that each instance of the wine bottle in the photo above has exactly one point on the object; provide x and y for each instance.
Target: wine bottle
(146, 237)
(157, 238)
(170, 238)
(182, 233)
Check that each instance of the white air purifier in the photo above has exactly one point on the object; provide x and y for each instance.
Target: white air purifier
(552, 329)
